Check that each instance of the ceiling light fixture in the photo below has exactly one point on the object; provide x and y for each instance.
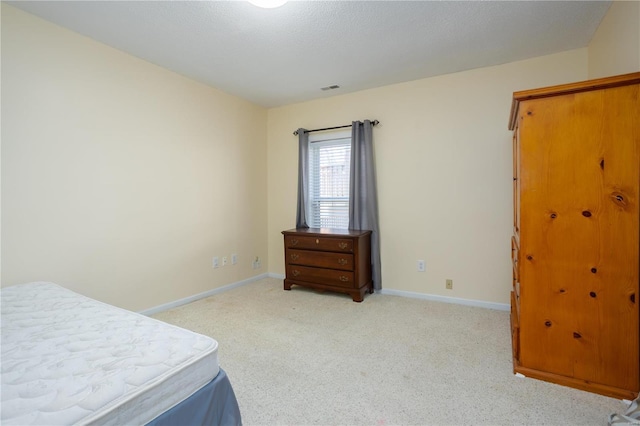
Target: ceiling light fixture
(268, 4)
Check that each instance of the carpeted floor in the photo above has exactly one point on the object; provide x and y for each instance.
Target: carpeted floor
(303, 358)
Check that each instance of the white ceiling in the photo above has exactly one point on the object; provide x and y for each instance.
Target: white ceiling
(285, 55)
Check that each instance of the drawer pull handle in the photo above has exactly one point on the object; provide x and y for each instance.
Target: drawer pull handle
(295, 256)
(342, 261)
(294, 242)
(343, 245)
(343, 278)
(317, 241)
(295, 272)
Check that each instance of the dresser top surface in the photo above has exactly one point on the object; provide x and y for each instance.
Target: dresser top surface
(325, 232)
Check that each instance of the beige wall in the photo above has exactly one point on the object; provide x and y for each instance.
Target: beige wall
(121, 179)
(615, 47)
(443, 156)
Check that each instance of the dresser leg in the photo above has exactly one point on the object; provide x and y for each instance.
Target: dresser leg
(287, 286)
(358, 295)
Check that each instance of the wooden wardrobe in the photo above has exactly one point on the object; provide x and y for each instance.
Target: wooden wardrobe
(575, 248)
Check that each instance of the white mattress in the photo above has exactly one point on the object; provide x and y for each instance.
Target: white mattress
(68, 359)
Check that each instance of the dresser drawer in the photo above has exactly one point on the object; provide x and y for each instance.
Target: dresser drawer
(318, 243)
(330, 277)
(321, 259)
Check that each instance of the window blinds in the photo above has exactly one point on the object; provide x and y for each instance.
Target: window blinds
(329, 170)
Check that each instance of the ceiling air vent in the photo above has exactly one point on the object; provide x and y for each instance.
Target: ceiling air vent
(335, 86)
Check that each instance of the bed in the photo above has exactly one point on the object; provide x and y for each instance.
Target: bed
(69, 359)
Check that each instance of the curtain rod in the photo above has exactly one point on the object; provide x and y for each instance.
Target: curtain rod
(373, 122)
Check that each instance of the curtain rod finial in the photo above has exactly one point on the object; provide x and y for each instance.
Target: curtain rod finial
(295, 133)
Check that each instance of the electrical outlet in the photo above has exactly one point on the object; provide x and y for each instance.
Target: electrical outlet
(420, 265)
(224, 260)
(215, 262)
(234, 259)
(449, 284)
(256, 263)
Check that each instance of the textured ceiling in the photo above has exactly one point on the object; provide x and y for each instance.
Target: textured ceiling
(285, 55)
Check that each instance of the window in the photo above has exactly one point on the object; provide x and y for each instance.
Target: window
(329, 175)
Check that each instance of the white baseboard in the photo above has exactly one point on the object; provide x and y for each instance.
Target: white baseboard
(384, 291)
(446, 299)
(199, 296)
(436, 298)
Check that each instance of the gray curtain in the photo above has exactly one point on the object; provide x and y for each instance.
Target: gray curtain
(303, 175)
(363, 193)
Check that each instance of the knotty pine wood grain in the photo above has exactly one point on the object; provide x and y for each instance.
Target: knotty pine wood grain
(579, 268)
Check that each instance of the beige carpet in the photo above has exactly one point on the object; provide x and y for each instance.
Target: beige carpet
(303, 358)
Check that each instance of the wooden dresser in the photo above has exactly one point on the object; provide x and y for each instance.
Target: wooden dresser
(329, 259)
(575, 249)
